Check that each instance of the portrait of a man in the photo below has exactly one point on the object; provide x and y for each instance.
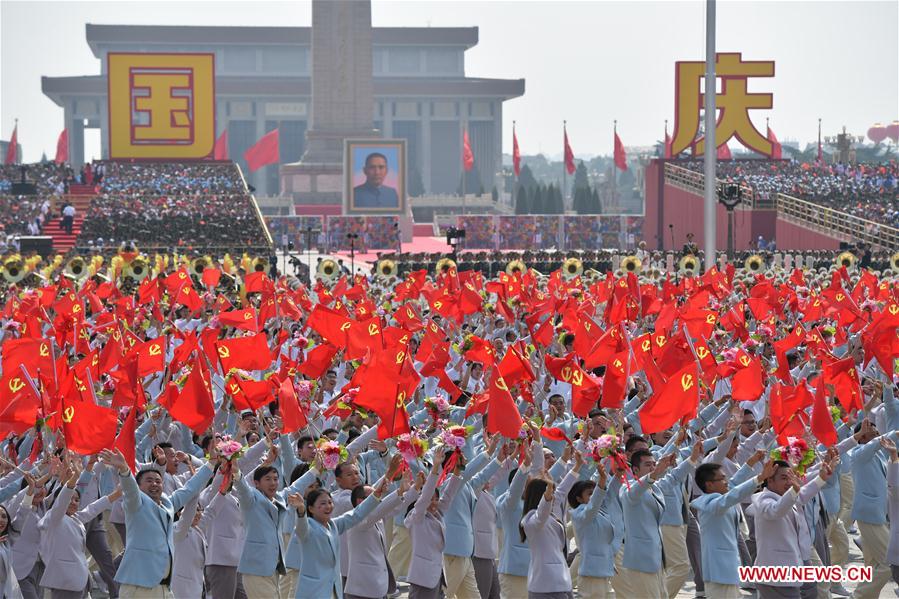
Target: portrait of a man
(374, 193)
(375, 176)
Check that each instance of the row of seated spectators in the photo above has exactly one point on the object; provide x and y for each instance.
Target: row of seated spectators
(175, 205)
(869, 191)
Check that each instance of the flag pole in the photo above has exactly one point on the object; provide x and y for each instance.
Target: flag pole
(514, 175)
(614, 166)
(820, 157)
(564, 166)
(464, 127)
(665, 155)
(709, 213)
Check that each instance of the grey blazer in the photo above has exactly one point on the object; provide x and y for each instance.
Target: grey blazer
(548, 571)
(427, 533)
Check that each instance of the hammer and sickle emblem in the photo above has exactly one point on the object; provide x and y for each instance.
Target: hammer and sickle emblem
(116, 335)
(404, 339)
(622, 283)
(373, 329)
(817, 303)
(452, 272)
(224, 352)
(291, 372)
(511, 288)
(410, 313)
(710, 319)
(894, 309)
(400, 356)
(702, 352)
(617, 363)
(815, 337)
(852, 373)
(345, 326)
(44, 351)
(501, 384)
(234, 388)
(68, 414)
(686, 381)
(185, 290)
(401, 399)
(587, 326)
(840, 297)
(577, 377)
(362, 310)
(182, 275)
(338, 305)
(744, 360)
(566, 374)
(615, 334)
(247, 316)
(83, 335)
(79, 384)
(16, 385)
(645, 345)
(95, 360)
(438, 304)
(660, 340)
(76, 308)
(155, 350)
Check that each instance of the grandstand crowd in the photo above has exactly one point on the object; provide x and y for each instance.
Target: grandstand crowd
(869, 191)
(458, 430)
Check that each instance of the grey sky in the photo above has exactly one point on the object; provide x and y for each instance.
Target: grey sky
(587, 62)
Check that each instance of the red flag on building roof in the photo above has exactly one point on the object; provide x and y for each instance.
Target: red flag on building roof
(620, 155)
(12, 150)
(569, 153)
(776, 149)
(516, 153)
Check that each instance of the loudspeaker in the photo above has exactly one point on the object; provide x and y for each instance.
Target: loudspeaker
(23, 189)
(42, 244)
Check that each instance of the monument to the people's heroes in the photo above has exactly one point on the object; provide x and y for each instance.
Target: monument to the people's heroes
(342, 98)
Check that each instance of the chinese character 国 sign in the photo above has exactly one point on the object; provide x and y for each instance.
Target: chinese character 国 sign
(733, 103)
(161, 105)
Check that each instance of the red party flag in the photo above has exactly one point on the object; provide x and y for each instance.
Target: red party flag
(88, 428)
(676, 401)
(221, 147)
(193, 406)
(241, 319)
(748, 382)
(467, 154)
(822, 422)
(614, 383)
(249, 353)
(124, 441)
(318, 360)
(62, 147)
(503, 416)
(292, 415)
(265, 151)
(724, 152)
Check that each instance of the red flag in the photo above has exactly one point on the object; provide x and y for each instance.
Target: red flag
(88, 428)
(776, 149)
(822, 422)
(515, 367)
(748, 382)
(292, 415)
(502, 413)
(211, 277)
(467, 154)
(62, 147)
(330, 324)
(569, 154)
(193, 405)
(317, 360)
(724, 152)
(614, 383)
(150, 356)
(676, 400)
(221, 147)
(241, 319)
(124, 442)
(12, 151)
(620, 155)
(250, 353)
(516, 154)
(264, 152)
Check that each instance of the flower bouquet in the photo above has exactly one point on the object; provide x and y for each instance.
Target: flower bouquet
(609, 446)
(411, 446)
(231, 450)
(454, 436)
(437, 407)
(796, 453)
(331, 452)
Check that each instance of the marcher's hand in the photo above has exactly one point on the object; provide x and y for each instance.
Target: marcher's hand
(603, 476)
(296, 501)
(890, 446)
(768, 470)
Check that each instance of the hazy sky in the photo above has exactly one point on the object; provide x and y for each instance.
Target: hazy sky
(587, 62)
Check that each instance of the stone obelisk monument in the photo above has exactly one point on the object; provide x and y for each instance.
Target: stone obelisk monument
(342, 99)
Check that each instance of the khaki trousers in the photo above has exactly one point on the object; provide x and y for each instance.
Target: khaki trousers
(875, 538)
(513, 587)
(619, 581)
(130, 591)
(677, 560)
(721, 591)
(646, 585)
(590, 587)
(460, 580)
(839, 542)
(262, 587)
(400, 553)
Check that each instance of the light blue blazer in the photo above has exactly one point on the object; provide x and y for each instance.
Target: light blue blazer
(150, 544)
(459, 532)
(514, 555)
(594, 532)
(264, 547)
(320, 576)
(719, 517)
(643, 505)
(869, 473)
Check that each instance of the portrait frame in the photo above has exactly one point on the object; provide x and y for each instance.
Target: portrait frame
(355, 152)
